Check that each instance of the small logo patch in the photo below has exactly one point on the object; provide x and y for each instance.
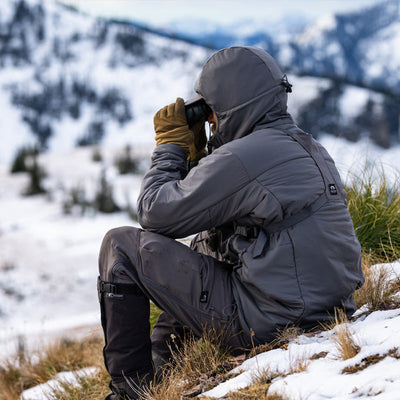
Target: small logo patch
(204, 297)
(332, 189)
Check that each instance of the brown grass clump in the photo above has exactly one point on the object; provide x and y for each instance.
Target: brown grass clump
(343, 337)
(201, 356)
(365, 363)
(254, 392)
(258, 390)
(299, 363)
(380, 290)
(170, 387)
(370, 360)
(282, 339)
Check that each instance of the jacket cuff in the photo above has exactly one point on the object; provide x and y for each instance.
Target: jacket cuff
(171, 148)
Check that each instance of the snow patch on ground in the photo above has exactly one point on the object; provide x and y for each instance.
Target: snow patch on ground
(41, 392)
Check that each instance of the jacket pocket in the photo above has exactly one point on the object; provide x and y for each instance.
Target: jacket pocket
(268, 270)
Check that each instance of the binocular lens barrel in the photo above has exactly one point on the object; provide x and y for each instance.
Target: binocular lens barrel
(196, 112)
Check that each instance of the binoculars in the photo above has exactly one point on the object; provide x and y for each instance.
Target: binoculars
(196, 110)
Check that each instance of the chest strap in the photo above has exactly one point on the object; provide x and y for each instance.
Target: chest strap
(332, 188)
(332, 192)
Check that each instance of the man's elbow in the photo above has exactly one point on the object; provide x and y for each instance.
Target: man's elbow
(144, 218)
(153, 223)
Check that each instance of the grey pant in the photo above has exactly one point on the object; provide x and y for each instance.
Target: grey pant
(194, 291)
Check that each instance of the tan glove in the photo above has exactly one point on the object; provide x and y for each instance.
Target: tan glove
(197, 149)
(171, 126)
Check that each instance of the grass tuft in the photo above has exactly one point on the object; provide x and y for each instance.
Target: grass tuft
(374, 206)
(203, 356)
(258, 390)
(196, 367)
(370, 360)
(299, 363)
(380, 290)
(282, 339)
(344, 338)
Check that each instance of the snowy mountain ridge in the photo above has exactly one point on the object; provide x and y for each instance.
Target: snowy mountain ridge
(67, 79)
(352, 46)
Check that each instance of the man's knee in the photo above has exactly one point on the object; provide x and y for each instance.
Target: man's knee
(120, 234)
(118, 246)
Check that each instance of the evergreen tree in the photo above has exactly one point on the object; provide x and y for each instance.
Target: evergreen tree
(104, 200)
(36, 175)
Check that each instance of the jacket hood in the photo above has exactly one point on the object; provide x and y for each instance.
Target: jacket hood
(245, 88)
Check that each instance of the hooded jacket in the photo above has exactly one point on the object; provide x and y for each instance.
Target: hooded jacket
(269, 200)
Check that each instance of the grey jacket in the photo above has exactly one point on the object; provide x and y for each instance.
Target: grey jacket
(268, 200)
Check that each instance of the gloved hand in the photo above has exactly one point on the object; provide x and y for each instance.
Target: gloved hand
(197, 149)
(171, 126)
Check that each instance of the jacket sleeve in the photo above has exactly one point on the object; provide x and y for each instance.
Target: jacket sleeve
(177, 205)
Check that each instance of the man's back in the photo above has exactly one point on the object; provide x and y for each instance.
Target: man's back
(307, 261)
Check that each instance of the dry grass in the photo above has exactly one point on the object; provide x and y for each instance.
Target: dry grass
(371, 360)
(299, 363)
(254, 392)
(380, 290)
(258, 390)
(282, 339)
(170, 387)
(25, 371)
(89, 387)
(203, 356)
(344, 338)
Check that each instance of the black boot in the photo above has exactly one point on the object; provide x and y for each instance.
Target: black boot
(125, 315)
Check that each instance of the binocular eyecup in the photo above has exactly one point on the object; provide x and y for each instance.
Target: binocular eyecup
(196, 110)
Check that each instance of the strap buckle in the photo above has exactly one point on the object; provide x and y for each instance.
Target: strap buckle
(117, 290)
(107, 288)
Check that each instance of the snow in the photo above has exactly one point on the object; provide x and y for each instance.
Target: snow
(388, 38)
(41, 391)
(48, 261)
(315, 32)
(21, 135)
(305, 89)
(353, 100)
(353, 159)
